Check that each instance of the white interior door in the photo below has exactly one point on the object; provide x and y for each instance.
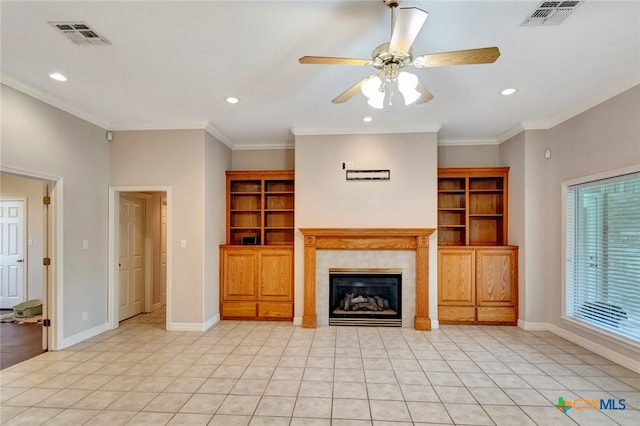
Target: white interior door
(131, 258)
(163, 251)
(12, 259)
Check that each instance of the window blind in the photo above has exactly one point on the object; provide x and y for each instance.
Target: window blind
(603, 254)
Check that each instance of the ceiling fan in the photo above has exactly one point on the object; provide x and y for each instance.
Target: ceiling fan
(390, 58)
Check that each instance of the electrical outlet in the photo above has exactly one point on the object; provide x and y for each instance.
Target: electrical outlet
(85, 316)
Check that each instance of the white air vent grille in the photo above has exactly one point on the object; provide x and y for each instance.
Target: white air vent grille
(80, 33)
(550, 13)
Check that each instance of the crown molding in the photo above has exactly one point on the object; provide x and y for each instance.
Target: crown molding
(467, 142)
(153, 125)
(216, 133)
(262, 147)
(327, 132)
(509, 133)
(50, 100)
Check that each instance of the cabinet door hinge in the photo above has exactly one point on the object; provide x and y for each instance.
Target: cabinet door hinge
(46, 323)
(46, 200)
(46, 261)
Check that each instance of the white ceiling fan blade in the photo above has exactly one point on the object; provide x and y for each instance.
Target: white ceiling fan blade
(408, 24)
(349, 93)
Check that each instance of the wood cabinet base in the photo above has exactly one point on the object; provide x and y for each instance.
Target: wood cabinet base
(256, 283)
(478, 285)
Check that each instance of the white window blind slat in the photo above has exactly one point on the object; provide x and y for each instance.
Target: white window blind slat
(603, 254)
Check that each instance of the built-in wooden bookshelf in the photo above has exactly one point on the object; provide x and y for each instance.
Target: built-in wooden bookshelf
(477, 269)
(260, 207)
(256, 264)
(472, 206)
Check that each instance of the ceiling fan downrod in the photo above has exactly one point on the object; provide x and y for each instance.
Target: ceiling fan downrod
(392, 4)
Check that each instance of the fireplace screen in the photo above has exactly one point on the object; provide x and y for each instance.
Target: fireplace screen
(365, 297)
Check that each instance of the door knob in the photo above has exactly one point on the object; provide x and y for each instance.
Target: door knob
(20, 260)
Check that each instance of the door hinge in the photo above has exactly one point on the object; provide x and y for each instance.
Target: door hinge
(46, 323)
(46, 261)
(46, 200)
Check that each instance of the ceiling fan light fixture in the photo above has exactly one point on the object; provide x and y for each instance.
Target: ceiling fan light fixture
(373, 89)
(377, 102)
(407, 83)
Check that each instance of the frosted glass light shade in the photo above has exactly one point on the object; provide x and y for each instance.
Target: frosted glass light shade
(372, 88)
(407, 84)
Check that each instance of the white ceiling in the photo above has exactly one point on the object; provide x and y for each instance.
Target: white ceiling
(171, 64)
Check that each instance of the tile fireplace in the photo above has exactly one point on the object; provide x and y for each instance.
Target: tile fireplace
(352, 240)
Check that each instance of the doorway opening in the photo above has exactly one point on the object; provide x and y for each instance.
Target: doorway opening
(138, 253)
(28, 223)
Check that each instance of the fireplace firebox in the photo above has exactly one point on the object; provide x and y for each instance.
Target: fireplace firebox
(365, 297)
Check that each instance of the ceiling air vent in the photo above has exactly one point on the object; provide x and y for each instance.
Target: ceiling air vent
(550, 13)
(80, 33)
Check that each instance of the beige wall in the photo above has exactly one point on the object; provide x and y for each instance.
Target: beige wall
(606, 137)
(468, 155)
(43, 140)
(263, 159)
(217, 159)
(18, 187)
(324, 199)
(178, 159)
(512, 154)
(535, 223)
(524, 154)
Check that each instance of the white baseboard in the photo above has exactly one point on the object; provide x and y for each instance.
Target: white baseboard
(186, 326)
(603, 351)
(435, 324)
(533, 326)
(194, 326)
(211, 322)
(630, 363)
(297, 320)
(84, 335)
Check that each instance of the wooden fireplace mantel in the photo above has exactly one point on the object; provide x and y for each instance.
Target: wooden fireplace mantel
(416, 239)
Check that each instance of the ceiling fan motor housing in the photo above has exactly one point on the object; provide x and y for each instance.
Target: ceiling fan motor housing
(390, 62)
(391, 3)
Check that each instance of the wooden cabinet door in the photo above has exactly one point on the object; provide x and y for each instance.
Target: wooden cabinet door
(456, 285)
(275, 278)
(496, 282)
(239, 274)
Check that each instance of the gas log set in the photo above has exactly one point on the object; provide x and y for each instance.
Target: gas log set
(352, 302)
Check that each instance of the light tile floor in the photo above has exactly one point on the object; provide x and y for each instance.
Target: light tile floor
(265, 373)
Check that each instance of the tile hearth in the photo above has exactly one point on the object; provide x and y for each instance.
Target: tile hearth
(258, 373)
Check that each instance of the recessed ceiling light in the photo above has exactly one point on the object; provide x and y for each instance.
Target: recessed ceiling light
(232, 100)
(509, 91)
(367, 119)
(57, 76)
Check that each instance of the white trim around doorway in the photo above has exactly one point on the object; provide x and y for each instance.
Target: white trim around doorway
(52, 307)
(112, 286)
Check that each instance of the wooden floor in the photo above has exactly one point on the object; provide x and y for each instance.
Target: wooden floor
(19, 342)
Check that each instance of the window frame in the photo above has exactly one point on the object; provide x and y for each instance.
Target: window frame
(566, 185)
